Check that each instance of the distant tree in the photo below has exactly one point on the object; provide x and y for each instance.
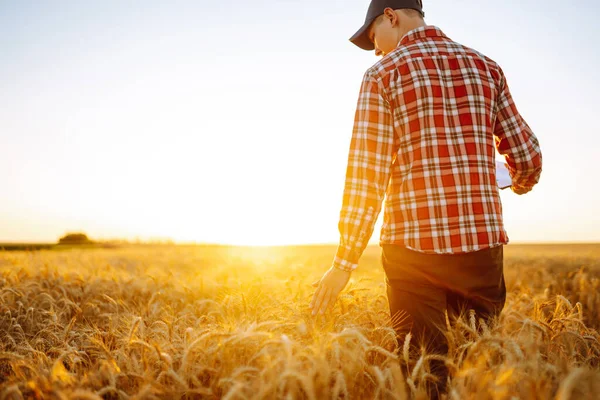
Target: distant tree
(74, 238)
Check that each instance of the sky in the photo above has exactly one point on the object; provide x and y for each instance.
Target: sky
(229, 122)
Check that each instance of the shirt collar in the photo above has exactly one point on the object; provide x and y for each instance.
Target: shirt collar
(421, 32)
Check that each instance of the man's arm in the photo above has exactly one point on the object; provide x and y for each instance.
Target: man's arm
(372, 150)
(516, 142)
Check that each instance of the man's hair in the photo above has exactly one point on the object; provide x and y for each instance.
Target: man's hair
(409, 12)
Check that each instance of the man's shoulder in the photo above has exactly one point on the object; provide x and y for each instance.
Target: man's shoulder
(402, 55)
(478, 54)
(379, 68)
(387, 65)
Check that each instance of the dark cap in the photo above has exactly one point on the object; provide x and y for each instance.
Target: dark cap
(376, 8)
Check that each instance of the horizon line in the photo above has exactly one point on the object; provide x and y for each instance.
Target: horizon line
(224, 244)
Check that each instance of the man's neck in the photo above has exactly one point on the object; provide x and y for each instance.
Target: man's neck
(410, 26)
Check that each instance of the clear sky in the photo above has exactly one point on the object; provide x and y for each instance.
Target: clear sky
(230, 121)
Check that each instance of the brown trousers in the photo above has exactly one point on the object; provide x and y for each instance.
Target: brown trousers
(421, 287)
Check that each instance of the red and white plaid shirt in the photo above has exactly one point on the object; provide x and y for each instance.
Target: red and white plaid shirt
(429, 118)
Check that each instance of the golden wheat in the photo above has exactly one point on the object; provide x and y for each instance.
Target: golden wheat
(233, 323)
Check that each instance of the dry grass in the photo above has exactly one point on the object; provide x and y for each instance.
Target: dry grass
(233, 323)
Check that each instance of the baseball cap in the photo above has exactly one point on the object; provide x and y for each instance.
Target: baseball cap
(360, 38)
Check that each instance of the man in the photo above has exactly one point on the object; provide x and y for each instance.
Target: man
(430, 116)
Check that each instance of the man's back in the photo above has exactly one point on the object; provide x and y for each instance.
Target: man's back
(447, 109)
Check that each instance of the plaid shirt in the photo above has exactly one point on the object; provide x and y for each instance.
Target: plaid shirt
(430, 116)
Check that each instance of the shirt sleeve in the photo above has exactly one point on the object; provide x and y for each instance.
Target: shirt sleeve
(372, 150)
(516, 142)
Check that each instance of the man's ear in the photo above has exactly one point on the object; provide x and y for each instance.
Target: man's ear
(391, 15)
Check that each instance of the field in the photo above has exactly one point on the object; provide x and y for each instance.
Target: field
(170, 322)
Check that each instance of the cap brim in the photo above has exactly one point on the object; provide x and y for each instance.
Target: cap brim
(361, 38)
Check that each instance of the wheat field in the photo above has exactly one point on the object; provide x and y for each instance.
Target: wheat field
(201, 322)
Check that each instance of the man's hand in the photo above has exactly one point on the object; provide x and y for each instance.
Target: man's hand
(328, 288)
(519, 189)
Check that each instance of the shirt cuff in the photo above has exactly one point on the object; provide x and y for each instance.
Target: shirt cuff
(345, 259)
